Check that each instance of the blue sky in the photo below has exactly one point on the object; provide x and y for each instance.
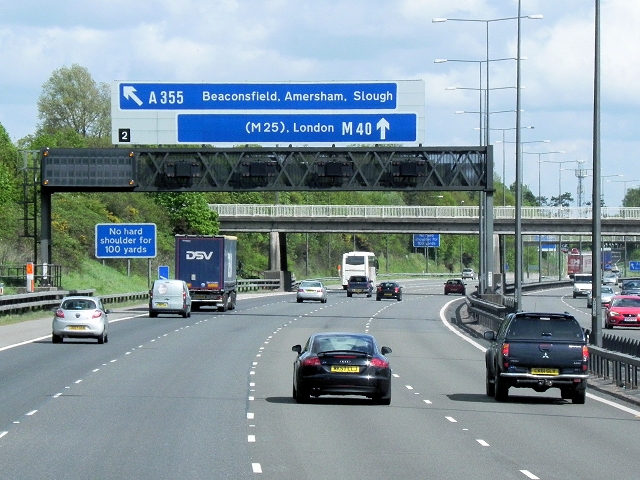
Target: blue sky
(341, 40)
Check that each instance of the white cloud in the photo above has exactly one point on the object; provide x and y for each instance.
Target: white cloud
(281, 40)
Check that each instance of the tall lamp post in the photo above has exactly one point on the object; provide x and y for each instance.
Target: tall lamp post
(480, 90)
(504, 175)
(624, 182)
(486, 22)
(540, 203)
(602, 185)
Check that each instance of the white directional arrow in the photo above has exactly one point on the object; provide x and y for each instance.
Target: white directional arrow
(383, 126)
(130, 94)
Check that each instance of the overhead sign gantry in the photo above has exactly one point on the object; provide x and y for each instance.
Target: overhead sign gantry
(228, 114)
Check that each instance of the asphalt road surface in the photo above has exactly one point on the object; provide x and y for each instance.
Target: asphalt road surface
(209, 397)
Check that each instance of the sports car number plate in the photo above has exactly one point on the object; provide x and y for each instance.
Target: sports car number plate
(76, 327)
(545, 371)
(345, 368)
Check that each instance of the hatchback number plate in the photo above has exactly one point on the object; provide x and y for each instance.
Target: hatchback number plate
(76, 327)
(545, 371)
(345, 368)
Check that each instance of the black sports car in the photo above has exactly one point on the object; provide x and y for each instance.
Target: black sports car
(341, 364)
(389, 290)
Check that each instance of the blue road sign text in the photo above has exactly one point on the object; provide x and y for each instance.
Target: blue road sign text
(256, 96)
(421, 240)
(125, 240)
(257, 128)
(634, 266)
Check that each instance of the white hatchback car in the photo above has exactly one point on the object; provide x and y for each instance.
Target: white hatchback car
(80, 317)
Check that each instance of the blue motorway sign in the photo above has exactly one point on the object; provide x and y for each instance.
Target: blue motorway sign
(258, 128)
(634, 266)
(125, 240)
(426, 240)
(258, 96)
(163, 272)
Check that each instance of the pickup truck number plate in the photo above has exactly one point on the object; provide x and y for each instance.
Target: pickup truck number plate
(545, 371)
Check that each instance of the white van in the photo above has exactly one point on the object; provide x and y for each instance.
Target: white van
(582, 284)
(169, 296)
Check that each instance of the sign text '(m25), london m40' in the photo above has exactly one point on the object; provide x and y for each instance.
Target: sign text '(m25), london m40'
(256, 128)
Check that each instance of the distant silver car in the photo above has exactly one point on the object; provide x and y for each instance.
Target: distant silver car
(468, 273)
(311, 290)
(609, 278)
(606, 294)
(80, 317)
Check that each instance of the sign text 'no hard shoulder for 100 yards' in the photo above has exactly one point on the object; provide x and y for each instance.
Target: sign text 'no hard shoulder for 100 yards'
(125, 240)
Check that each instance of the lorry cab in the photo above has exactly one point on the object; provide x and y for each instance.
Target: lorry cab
(169, 296)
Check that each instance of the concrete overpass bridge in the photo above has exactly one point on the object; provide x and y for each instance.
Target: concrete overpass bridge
(617, 222)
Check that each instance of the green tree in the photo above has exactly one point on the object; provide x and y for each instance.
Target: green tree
(189, 213)
(71, 99)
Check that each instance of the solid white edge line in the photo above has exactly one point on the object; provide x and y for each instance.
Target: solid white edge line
(2, 434)
(483, 349)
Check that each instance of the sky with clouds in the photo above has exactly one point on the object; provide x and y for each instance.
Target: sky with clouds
(346, 40)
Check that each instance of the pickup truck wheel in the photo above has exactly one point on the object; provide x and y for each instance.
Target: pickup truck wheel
(349, 294)
(501, 388)
(566, 393)
(579, 396)
(490, 386)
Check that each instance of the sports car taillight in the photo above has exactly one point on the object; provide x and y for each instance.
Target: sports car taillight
(379, 363)
(311, 362)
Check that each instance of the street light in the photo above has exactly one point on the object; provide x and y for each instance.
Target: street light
(602, 185)
(487, 22)
(480, 89)
(560, 170)
(625, 182)
(504, 175)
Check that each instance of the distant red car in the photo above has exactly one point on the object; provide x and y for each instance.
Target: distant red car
(455, 285)
(624, 311)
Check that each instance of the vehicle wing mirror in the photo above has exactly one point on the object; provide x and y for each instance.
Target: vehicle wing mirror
(490, 335)
(385, 350)
(296, 348)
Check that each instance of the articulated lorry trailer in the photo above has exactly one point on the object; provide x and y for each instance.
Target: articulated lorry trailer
(208, 265)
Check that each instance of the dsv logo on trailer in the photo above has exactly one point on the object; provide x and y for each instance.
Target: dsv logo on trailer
(191, 255)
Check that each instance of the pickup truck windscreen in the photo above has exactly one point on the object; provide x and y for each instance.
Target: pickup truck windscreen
(551, 329)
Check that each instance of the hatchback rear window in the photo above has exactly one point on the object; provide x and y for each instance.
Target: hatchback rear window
(79, 305)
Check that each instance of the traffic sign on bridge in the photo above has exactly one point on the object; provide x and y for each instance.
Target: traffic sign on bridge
(228, 114)
(421, 240)
(634, 266)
